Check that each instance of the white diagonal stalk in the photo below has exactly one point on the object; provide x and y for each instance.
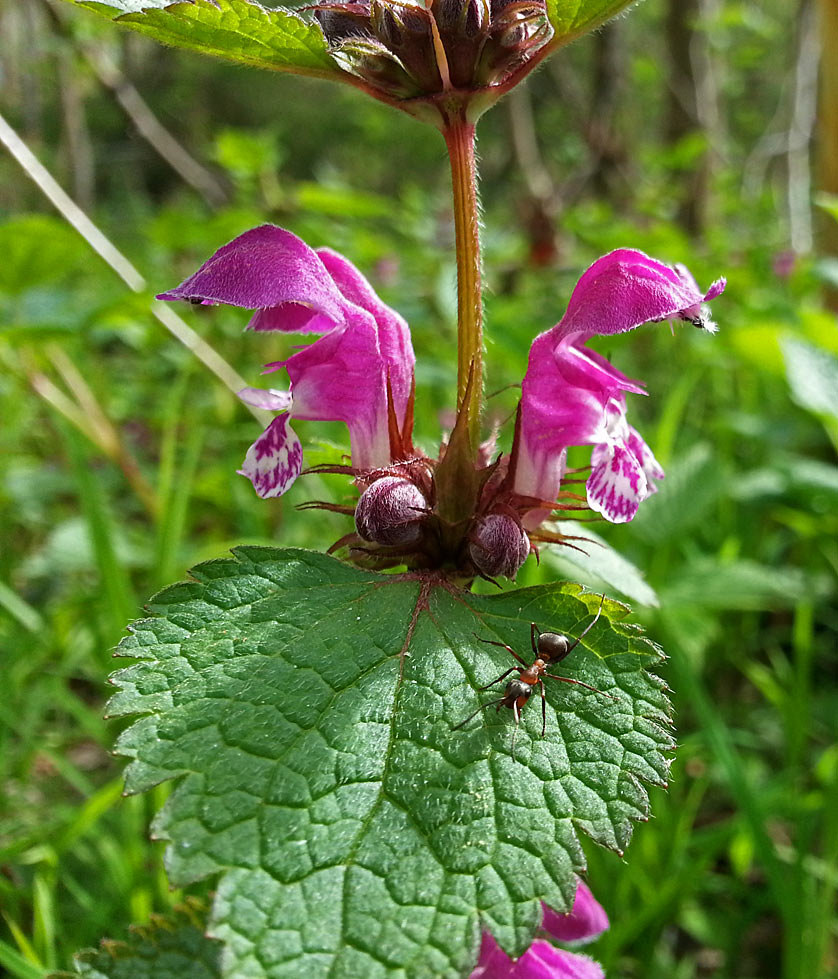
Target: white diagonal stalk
(129, 274)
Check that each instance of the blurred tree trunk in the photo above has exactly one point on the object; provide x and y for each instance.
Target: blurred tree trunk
(539, 205)
(827, 132)
(607, 142)
(692, 109)
(77, 144)
(801, 129)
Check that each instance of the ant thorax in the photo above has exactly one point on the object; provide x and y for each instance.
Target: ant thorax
(553, 647)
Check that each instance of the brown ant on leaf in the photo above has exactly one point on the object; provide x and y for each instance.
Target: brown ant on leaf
(549, 648)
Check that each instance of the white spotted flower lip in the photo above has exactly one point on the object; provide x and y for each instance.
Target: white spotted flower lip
(359, 372)
(574, 396)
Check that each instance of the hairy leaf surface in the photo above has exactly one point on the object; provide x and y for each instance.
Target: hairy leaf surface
(307, 709)
(238, 30)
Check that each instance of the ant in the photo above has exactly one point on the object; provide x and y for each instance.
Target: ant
(549, 647)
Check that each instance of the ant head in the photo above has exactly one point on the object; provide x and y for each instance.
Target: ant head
(552, 646)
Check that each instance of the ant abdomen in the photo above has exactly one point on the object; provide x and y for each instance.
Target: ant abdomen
(553, 647)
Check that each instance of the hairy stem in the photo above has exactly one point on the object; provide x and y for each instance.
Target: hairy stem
(459, 138)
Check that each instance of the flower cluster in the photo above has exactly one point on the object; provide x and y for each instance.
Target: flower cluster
(543, 960)
(360, 372)
(406, 49)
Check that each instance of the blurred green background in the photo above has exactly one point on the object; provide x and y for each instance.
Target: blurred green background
(690, 129)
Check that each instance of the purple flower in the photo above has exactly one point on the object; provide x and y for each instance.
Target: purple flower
(573, 396)
(359, 372)
(543, 960)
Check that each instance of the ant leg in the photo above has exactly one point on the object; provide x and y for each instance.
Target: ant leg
(543, 709)
(503, 676)
(535, 632)
(517, 715)
(481, 707)
(579, 683)
(589, 627)
(502, 645)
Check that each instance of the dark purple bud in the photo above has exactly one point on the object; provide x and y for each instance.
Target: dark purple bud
(391, 511)
(498, 545)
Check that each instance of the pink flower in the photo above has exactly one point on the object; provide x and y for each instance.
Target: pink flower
(573, 396)
(543, 960)
(358, 372)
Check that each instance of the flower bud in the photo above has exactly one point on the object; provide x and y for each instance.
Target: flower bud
(391, 511)
(498, 545)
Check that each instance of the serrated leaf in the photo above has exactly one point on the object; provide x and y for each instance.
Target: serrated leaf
(167, 948)
(238, 30)
(308, 710)
(572, 18)
(598, 562)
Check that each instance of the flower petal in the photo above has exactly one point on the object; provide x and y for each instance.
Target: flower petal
(341, 377)
(587, 920)
(626, 288)
(617, 484)
(541, 961)
(395, 347)
(270, 399)
(265, 267)
(274, 460)
(645, 457)
(562, 404)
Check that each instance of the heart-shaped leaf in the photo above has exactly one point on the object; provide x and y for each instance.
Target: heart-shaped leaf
(309, 709)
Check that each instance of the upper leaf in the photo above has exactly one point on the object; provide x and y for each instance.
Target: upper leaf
(238, 30)
(572, 18)
(307, 708)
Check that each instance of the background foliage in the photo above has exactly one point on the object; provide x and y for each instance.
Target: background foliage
(119, 449)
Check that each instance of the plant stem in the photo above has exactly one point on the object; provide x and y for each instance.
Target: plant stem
(459, 138)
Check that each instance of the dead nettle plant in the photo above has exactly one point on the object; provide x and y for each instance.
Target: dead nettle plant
(360, 813)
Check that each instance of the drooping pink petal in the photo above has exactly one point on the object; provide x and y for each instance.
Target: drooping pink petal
(262, 268)
(626, 288)
(541, 961)
(274, 460)
(586, 921)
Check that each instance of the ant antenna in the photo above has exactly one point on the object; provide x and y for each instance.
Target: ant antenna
(492, 703)
(588, 627)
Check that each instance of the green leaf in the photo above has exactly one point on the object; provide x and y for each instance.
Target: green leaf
(598, 562)
(706, 582)
(238, 30)
(812, 376)
(168, 948)
(572, 18)
(37, 250)
(693, 484)
(308, 710)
